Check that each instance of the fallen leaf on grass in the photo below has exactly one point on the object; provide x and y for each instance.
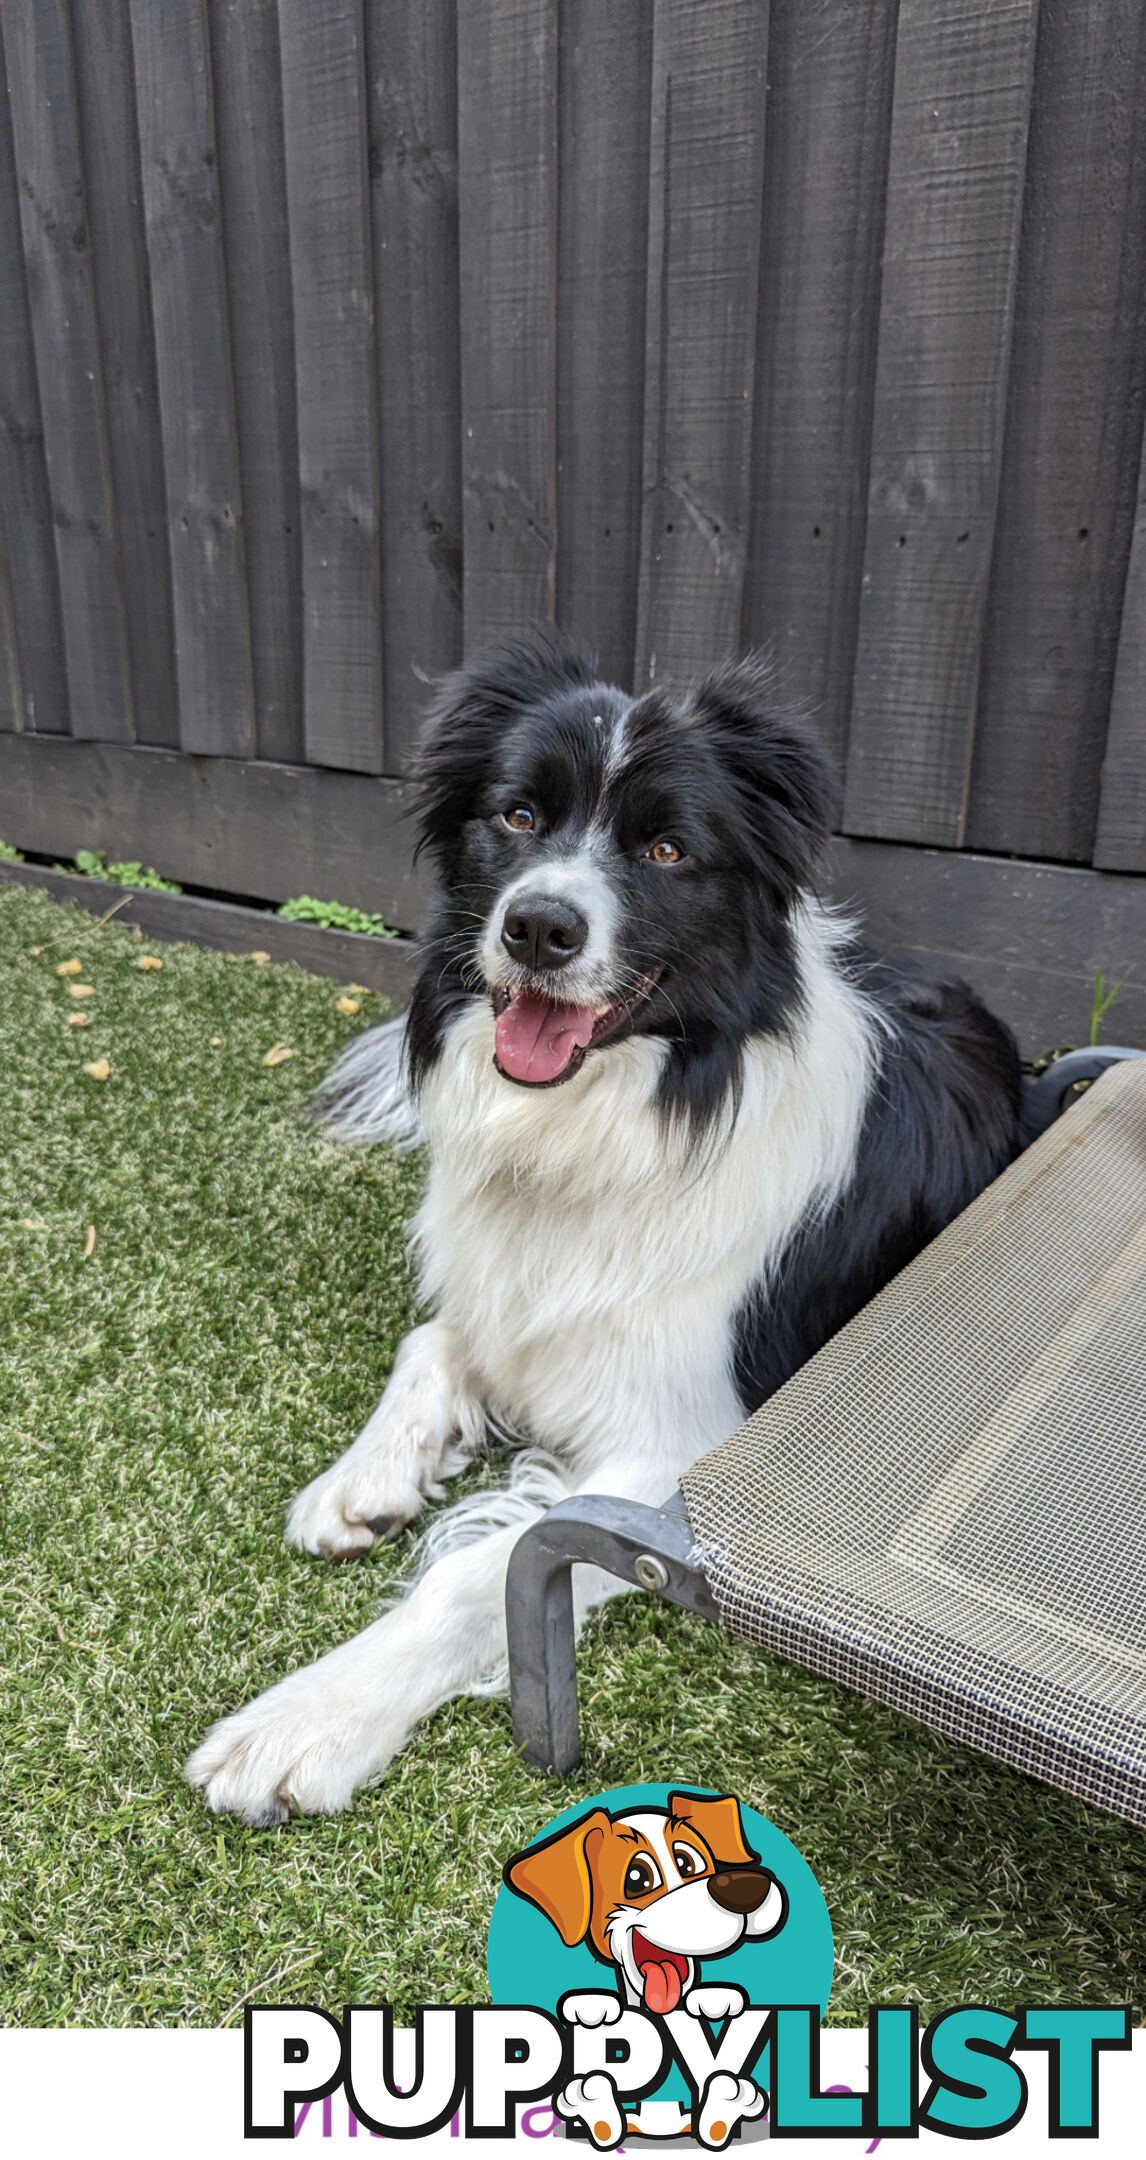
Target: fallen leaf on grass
(215, 1041)
(78, 1019)
(90, 1241)
(260, 958)
(148, 960)
(349, 1005)
(360, 990)
(81, 989)
(99, 1069)
(278, 1056)
(70, 967)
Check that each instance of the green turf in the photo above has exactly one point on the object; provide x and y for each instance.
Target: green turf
(161, 1400)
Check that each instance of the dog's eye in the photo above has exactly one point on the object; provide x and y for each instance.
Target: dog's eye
(688, 1862)
(665, 851)
(642, 1877)
(520, 818)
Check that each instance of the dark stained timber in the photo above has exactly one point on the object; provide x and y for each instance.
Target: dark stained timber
(955, 186)
(1121, 842)
(324, 115)
(604, 82)
(252, 181)
(192, 346)
(830, 77)
(705, 188)
(36, 694)
(507, 161)
(105, 93)
(411, 48)
(57, 252)
(1074, 424)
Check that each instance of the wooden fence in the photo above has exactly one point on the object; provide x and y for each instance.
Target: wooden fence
(340, 337)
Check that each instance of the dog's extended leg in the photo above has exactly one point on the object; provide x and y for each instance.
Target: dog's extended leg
(309, 1742)
(427, 1412)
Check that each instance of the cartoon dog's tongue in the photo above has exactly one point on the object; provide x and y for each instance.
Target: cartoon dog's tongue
(662, 1972)
(662, 1987)
(535, 1040)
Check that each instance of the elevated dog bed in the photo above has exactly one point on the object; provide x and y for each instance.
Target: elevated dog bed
(946, 1507)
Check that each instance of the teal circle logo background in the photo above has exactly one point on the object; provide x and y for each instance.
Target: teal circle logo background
(528, 1962)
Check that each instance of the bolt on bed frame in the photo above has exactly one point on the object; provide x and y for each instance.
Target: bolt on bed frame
(652, 1548)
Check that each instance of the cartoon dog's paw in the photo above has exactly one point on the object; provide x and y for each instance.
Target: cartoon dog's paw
(288, 1753)
(594, 2099)
(593, 2009)
(346, 1509)
(727, 2101)
(715, 2003)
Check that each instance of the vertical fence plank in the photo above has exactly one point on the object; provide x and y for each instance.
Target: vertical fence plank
(57, 253)
(37, 696)
(1074, 419)
(955, 182)
(705, 200)
(12, 715)
(1121, 840)
(830, 74)
(412, 52)
(192, 346)
(605, 62)
(324, 117)
(252, 185)
(105, 91)
(507, 126)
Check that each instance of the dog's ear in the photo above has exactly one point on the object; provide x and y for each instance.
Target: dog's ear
(472, 711)
(783, 791)
(719, 1824)
(557, 1876)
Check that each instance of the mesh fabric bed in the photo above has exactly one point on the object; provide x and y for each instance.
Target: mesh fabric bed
(947, 1507)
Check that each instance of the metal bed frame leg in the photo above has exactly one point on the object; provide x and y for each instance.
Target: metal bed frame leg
(649, 1547)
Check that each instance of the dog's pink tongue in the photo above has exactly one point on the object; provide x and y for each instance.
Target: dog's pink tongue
(662, 1987)
(535, 1039)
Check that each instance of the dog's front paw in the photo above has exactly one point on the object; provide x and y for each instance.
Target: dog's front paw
(594, 2100)
(288, 1753)
(591, 2009)
(347, 1508)
(728, 2100)
(715, 2003)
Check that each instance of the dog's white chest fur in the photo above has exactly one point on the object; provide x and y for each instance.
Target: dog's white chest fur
(593, 1269)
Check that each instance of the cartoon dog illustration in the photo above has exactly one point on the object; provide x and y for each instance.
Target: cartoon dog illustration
(652, 1892)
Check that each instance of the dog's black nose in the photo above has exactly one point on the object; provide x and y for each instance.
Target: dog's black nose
(541, 932)
(740, 1889)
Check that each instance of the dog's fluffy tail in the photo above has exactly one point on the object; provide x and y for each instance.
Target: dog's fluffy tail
(366, 1095)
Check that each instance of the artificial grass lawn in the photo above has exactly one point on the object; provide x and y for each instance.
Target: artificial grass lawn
(160, 1401)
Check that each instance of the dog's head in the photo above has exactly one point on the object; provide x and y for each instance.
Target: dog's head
(614, 866)
(654, 1891)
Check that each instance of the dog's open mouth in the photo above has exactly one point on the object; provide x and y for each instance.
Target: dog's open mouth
(539, 1042)
(663, 1974)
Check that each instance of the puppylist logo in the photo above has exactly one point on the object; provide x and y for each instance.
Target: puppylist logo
(660, 1961)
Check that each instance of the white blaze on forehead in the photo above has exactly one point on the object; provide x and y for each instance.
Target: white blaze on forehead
(654, 1829)
(617, 746)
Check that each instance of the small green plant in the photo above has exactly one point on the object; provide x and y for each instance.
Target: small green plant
(91, 862)
(9, 854)
(1104, 999)
(331, 915)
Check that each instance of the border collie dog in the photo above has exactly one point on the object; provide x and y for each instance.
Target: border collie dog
(679, 1129)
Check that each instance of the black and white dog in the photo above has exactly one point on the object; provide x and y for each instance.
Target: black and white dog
(679, 1130)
